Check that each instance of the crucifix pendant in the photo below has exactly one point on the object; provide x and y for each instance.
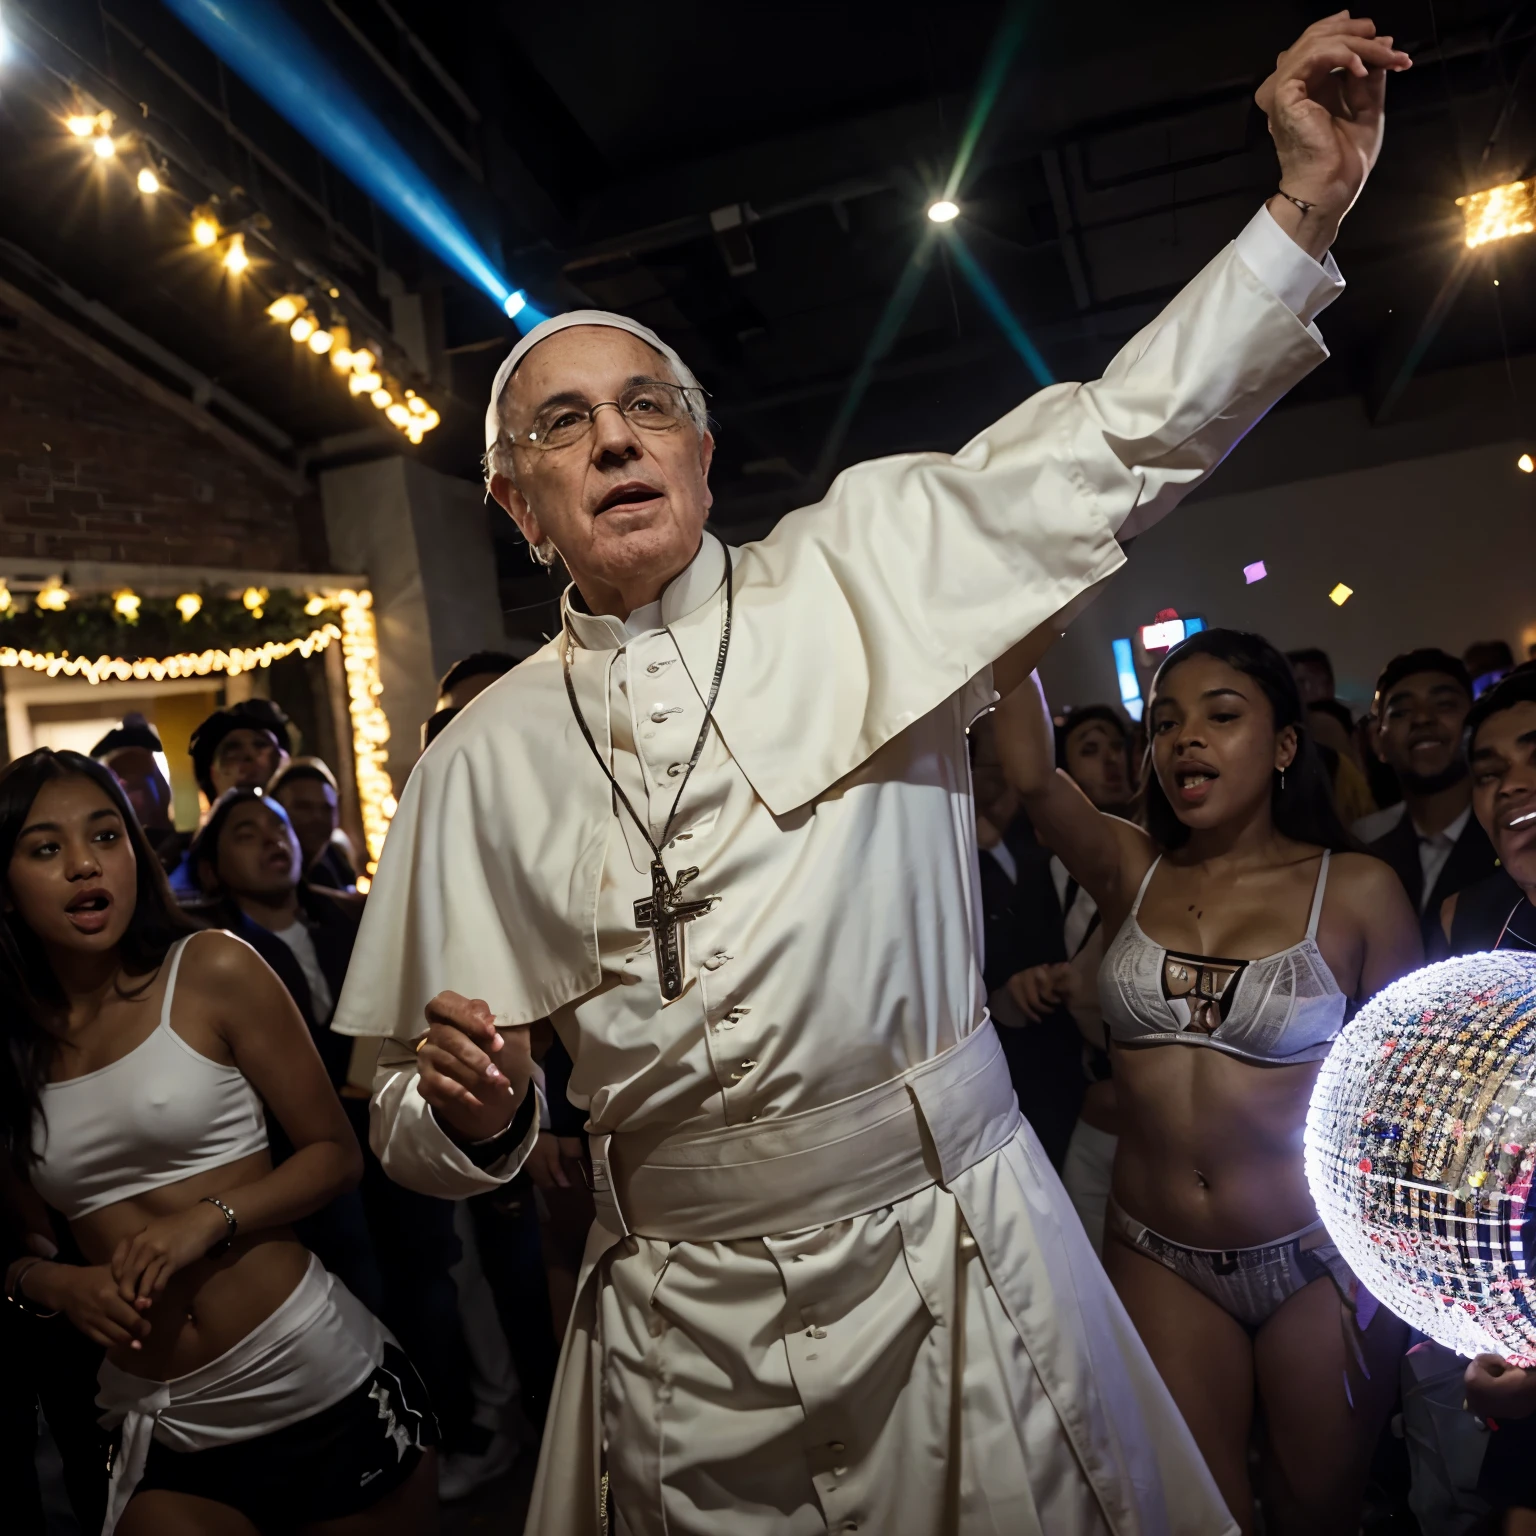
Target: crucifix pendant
(663, 913)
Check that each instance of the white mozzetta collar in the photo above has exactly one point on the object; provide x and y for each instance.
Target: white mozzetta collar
(689, 590)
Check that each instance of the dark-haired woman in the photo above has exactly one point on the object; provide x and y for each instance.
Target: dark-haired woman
(251, 1391)
(1243, 929)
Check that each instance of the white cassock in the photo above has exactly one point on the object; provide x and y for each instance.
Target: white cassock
(834, 1284)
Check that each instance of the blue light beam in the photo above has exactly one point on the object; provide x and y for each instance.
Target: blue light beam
(997, 306)
(265, 48)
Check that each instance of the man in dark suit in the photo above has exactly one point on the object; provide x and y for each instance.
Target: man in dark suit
(1432, 839)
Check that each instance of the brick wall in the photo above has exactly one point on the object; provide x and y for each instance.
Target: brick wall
(92, 470)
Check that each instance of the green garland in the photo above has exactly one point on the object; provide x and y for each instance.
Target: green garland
(91, 626)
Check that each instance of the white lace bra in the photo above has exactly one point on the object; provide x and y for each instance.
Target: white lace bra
(1284, 1008)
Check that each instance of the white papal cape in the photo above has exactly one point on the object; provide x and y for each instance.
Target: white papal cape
(834, 1284)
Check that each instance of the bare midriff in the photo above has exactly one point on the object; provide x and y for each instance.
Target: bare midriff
(1210, 1150)
(213, 1303)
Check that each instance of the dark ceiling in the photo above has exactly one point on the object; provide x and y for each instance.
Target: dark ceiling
(750, 180)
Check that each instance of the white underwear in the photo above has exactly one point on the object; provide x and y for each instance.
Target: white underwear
(319, 1345)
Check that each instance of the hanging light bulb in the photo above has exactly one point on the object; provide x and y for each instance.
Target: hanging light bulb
(303, 328)
(205, 226)
(316, 605)
(7, 602)
(104, 146)
(414, 432)
(80, 125)
(125, 604)
(341, 349)
(254, 598)
(397, 413)
(416, 405)
(149, 183)
(54, 597)
(381, 398)
(320, 341)
(189, 605)
(363, 361)
(360, 384)
(429, 421)
(235, 258)
(286, 308)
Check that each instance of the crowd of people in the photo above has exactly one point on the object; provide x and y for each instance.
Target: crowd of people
(1239, 872)
(443, 1312)
(1332, 854)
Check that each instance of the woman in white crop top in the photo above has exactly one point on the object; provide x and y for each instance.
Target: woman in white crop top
(1242, 930)
(142, 1060)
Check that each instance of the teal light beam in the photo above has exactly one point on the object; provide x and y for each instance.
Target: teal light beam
(997, 306)
(1010, 34)
(881, 340)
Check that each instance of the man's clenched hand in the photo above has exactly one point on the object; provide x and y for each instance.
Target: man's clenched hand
(472, 1074)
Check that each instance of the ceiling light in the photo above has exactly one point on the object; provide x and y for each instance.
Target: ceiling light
(149, 183)
(320, 341)
(205, 227)
(104, 146)
(1499, 212)
(80, 125)
(943, 211)
(303, 328)
(381, 398)
(288, 308)
(235, 258)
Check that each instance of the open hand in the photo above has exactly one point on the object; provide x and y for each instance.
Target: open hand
(1324, 103)
(473, 1074)
(142, 1264)
(1498, 1390)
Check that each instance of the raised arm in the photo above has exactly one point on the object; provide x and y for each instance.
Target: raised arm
(1105, 855)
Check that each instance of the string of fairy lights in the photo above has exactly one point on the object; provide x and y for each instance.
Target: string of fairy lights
(344, 615)
(311, 311)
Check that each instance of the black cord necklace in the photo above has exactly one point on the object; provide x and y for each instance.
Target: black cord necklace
(663, 912)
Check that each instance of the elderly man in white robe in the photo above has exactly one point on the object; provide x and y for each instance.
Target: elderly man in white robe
(720, 833)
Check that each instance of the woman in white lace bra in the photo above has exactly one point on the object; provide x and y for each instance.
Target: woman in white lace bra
(250, 1390)
(1243, 929)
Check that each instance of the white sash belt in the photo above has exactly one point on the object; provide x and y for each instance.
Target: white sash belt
(319, 1345)
(815, 1168)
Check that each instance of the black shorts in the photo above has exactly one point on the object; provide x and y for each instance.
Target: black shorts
(334, 1463)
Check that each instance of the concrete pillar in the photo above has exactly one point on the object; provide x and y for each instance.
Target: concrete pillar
(424, 540)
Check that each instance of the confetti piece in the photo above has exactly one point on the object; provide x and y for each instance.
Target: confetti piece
(1254, 572)
(1341, 594)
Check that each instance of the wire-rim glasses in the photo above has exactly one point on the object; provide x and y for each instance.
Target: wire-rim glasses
(651, 405)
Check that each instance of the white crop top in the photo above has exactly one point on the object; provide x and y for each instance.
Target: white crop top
(1284, 1008)
(154, 1117)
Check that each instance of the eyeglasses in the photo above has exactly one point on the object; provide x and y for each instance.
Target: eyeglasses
(648, 404)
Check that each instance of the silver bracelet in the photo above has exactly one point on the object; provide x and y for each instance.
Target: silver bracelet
(18, 1297)
(222, 1246)
(1304, 206)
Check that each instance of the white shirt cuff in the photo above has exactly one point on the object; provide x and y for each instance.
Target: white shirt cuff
(1304, 286)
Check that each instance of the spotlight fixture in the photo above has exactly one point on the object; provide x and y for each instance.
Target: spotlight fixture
(205, 227)
(303, 328)
(287, 308)
(235, 258)
(1499, 213)
(148, 183)
(514, 304)
(942, 211)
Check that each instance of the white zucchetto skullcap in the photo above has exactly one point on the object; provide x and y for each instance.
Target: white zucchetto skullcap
(547, 328)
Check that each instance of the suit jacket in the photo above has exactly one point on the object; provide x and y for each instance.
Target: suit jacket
(1472, 859)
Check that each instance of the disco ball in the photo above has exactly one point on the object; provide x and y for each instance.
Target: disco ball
(1420, 1145)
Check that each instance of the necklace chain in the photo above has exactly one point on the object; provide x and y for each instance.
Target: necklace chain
(698, 746)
